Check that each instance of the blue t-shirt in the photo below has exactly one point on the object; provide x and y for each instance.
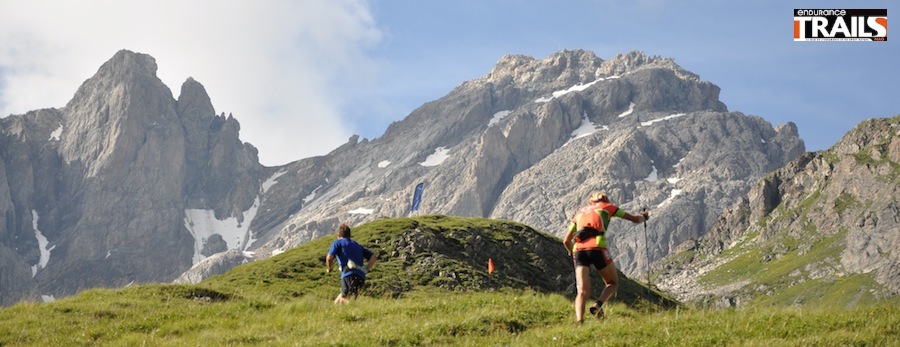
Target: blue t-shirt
(346, 249)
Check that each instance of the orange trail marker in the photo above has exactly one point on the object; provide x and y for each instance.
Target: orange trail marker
(490, 266)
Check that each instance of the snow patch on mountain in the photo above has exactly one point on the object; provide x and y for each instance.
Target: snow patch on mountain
(271, 181)
(311, 196)
(672, 195)
(498, 117)
(653, 177)
(42, 245)
(383, 164)
(203, 224)
(663, 119)
(440, 154)
(586, 128)
(362, 211)
(575, 88)
(630, 110)
(54, 136)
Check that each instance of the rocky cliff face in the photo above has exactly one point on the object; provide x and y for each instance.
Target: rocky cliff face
(530, 140)
(95, 193)
(125, 183)
(825, 220)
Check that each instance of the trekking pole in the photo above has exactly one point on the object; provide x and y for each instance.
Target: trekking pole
(646, 248)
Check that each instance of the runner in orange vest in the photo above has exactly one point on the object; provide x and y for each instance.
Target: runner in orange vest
(586, 243)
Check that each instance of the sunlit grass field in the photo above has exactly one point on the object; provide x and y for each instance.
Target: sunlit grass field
(286, 300)
(176, 315)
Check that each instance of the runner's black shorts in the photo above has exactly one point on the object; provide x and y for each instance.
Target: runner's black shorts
(351, 285)
(599, 258)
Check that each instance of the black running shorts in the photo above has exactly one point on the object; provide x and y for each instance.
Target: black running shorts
(351, 284)
(599, 258)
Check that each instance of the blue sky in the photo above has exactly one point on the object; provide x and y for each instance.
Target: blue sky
(302, 76)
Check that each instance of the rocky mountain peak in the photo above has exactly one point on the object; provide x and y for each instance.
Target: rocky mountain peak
(124, 66)
(570, 67)
(193, 103)
(826, 221)
(527, 142)
(123, 99)
(120, 185)
(621, 64)
(560, 68)
(126, 62)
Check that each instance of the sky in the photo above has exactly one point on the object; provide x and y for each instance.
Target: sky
(302, 76)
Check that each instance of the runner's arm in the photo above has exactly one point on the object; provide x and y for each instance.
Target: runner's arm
(329, 260)
(634, 218)
(569, 239)
(372, 261)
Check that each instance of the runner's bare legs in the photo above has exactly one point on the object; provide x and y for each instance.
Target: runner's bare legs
(612, 282)
(583, 280)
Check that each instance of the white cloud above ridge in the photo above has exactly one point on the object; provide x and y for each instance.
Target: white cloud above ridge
(282, 68)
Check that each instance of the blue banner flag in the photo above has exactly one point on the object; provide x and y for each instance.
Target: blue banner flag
(417, 196)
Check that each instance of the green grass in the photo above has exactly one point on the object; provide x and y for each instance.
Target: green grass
(170, 316)
(435, 250)
(287, 301)
(845, 201)
(786, 276)
(778, 272)
(849, 291)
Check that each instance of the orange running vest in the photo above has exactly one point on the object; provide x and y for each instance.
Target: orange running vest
(590, 217)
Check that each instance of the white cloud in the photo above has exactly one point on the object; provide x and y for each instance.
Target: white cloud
(285, 69)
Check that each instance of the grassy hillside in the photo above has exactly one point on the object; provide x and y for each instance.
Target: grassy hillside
(158, 315)
(428, 251)
(287, 301)
(783, 281)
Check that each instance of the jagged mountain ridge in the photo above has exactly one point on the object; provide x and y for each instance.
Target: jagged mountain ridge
(500, 146)
(508, 141)
(823, 228)
(94, 194)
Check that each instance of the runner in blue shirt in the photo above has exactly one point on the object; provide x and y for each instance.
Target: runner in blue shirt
(350, 256)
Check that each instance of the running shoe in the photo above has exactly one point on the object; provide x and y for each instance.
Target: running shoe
(597, 311)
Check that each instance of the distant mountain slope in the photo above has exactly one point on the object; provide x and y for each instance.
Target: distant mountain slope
(822, 230)
(530, 140)
(126, 184)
